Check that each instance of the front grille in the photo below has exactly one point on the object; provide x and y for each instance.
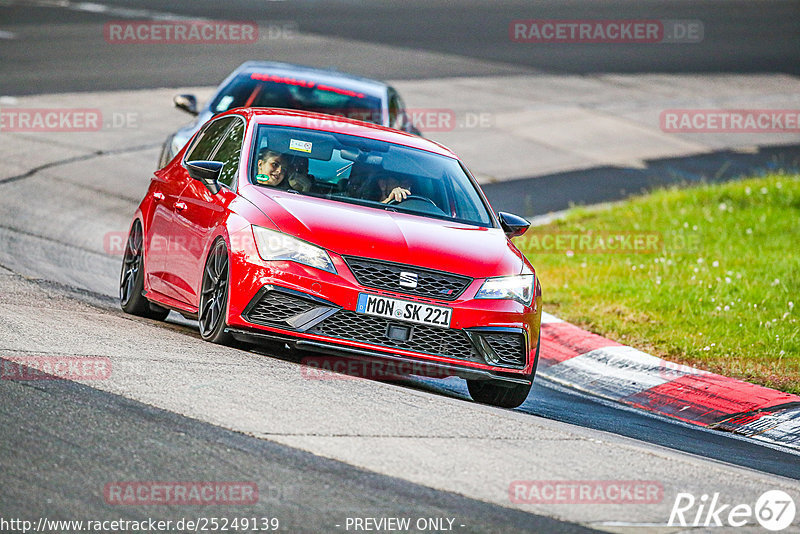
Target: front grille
(386, 275)
(292, 311)
(353, 326)
(510, 348)
(276, 307)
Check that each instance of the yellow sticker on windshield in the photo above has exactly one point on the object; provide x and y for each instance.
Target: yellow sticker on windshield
(300, 146)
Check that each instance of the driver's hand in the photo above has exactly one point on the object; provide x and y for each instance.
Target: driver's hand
(398, 194)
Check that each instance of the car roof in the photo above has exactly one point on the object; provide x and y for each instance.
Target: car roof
(336, 124)
(326, 76)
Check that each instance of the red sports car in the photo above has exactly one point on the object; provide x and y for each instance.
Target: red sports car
(340, 237)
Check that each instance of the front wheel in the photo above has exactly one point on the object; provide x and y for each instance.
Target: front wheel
(131, 279)
(214, 296)
(487, 392)
(502, 396)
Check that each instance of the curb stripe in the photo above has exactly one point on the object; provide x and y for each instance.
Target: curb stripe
(563, 341)
(779, 427)
(599, 366)
(612, 372)
(547, 318)
(707, 399)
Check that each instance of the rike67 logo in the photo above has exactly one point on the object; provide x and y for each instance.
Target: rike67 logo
(774, 510)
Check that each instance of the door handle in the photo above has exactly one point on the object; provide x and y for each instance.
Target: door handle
(180, 206)
(158, 195)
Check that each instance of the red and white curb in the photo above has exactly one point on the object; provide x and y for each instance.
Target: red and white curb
(593, 364)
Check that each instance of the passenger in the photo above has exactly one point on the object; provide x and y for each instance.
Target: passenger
(273, 169)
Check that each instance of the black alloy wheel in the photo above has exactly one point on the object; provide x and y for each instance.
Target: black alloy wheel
(214, 296)
(131, 279)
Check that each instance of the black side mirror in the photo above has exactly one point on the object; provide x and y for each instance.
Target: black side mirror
(513, 225)
(206, 172)
(187, 103)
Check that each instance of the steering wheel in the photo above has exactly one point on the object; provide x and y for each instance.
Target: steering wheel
(418, 203)
(413, 197)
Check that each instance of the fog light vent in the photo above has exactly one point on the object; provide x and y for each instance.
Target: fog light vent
(398, 332)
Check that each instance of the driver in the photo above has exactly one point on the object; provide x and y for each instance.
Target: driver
(391, 189)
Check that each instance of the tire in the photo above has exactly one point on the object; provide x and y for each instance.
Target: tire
(131, 279)
(487, 392)
(214, 296)
(502, 396)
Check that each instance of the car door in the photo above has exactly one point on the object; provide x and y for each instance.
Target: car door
(173, 228)
(203, 211)
(165, 187)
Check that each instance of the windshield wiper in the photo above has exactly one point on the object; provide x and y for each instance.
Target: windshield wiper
(343, 169)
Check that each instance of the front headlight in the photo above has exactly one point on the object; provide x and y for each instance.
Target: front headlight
(518, 288)
(273, 246)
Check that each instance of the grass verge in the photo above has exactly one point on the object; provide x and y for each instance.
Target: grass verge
(707, 276)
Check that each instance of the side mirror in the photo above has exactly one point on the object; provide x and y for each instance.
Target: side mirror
(513, 225)
(206, 172)
(187, 103)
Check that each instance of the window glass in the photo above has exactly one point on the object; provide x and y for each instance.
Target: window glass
(358, 170)
(229, 153)
(396, 111)
(263, 90)
(393, 110)
(207, 140)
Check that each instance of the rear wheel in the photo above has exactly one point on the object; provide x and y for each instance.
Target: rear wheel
(131, 279)
(503, 396)
(214, 296)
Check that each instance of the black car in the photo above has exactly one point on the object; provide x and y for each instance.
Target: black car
(282, 85)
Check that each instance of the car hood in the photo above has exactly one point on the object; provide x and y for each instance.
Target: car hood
(352, 230)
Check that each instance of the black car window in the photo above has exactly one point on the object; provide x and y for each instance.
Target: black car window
(207, 140)
(396, 112)
(229, 152)
(264, 90)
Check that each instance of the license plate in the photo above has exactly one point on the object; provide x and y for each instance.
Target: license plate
(404, 310)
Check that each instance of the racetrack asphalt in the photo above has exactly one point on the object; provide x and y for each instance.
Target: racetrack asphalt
(418, 444)
(421, 432)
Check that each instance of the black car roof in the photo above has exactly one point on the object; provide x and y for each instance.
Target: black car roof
(330, 76)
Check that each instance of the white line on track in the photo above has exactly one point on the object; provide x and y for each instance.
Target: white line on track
(93, 7)
(7, 35)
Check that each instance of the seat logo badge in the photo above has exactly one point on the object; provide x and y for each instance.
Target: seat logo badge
(408, 280)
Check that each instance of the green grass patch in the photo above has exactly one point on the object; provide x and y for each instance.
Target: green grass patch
(714, 282)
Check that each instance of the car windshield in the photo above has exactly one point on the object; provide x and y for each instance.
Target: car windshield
(264, 90)
(363, 171)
